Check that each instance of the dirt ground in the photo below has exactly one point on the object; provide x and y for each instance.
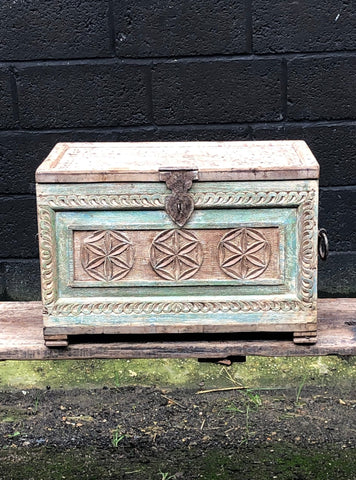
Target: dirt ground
(137, 432)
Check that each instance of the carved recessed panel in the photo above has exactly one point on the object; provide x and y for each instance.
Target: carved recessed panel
(160, 257)
(244, 253)
(107, 255)
(176, 254)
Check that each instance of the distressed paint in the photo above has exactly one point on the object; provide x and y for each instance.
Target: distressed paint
(128, 195)
(285, 219)
(287, 303)
(251, 321)
(142, 161)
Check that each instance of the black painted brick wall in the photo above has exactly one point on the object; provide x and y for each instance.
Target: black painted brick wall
(126, 70)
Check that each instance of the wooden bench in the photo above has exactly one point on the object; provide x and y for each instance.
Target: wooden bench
(21, 338)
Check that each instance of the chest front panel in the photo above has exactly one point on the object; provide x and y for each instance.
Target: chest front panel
(113, 260)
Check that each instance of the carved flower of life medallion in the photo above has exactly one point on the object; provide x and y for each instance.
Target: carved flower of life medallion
(107, 255)
(244, 253)
(176, 254)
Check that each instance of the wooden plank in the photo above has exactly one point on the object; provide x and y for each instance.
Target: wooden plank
(216, 326)
(21, 338)
(56, 343)
(141, 161)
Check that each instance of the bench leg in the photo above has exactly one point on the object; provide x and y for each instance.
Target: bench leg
(305, 337)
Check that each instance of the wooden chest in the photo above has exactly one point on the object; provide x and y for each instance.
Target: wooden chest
(178, 237)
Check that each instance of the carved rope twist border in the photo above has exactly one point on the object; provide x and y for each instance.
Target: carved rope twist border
(47, 255)
(304, 199)
(201, 199)
(138, 308)
(307, 249)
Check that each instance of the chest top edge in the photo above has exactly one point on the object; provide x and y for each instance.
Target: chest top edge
(142, 161)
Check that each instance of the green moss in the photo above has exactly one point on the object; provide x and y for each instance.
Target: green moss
(282, 461)
(256, 372)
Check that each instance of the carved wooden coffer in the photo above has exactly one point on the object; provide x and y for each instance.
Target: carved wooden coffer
(178, 237)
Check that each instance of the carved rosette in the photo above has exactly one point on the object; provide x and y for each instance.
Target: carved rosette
(107, 255)
(244, 253)
(176, 254)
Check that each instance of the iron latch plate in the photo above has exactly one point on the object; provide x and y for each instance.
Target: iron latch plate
(180, 204)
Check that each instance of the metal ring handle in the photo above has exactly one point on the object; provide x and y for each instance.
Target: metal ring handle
(323, 244)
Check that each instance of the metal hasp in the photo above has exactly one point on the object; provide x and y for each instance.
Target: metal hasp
(180, 204)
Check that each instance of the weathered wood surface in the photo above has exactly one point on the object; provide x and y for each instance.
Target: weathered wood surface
(141, 161)
(103, 250)
(141, 253)
(266, 302)
(21, 338)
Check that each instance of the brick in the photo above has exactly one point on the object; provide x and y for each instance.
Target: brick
(201, 133)
(337, 214)
(22, 152)
(2, 282)
(307, 26)
(83, 95)
(337, 275)
(18, 222)
(36, 29)
(334, 146)
(322, 88)
(20, 155)
(22, 280)
(216, 91)
(7, 119)
(170, 28)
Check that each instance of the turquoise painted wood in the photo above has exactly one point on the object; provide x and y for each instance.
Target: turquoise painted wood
(67, 222)
(113, 261)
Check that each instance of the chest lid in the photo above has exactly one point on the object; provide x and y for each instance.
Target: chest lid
(142, 161)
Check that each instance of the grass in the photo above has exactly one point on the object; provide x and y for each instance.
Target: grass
(234, 409)
(251, 401)
(253, 398)
(117, 437)
(13, 435)
(166, 476)
(36, 404)
(299, 390)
